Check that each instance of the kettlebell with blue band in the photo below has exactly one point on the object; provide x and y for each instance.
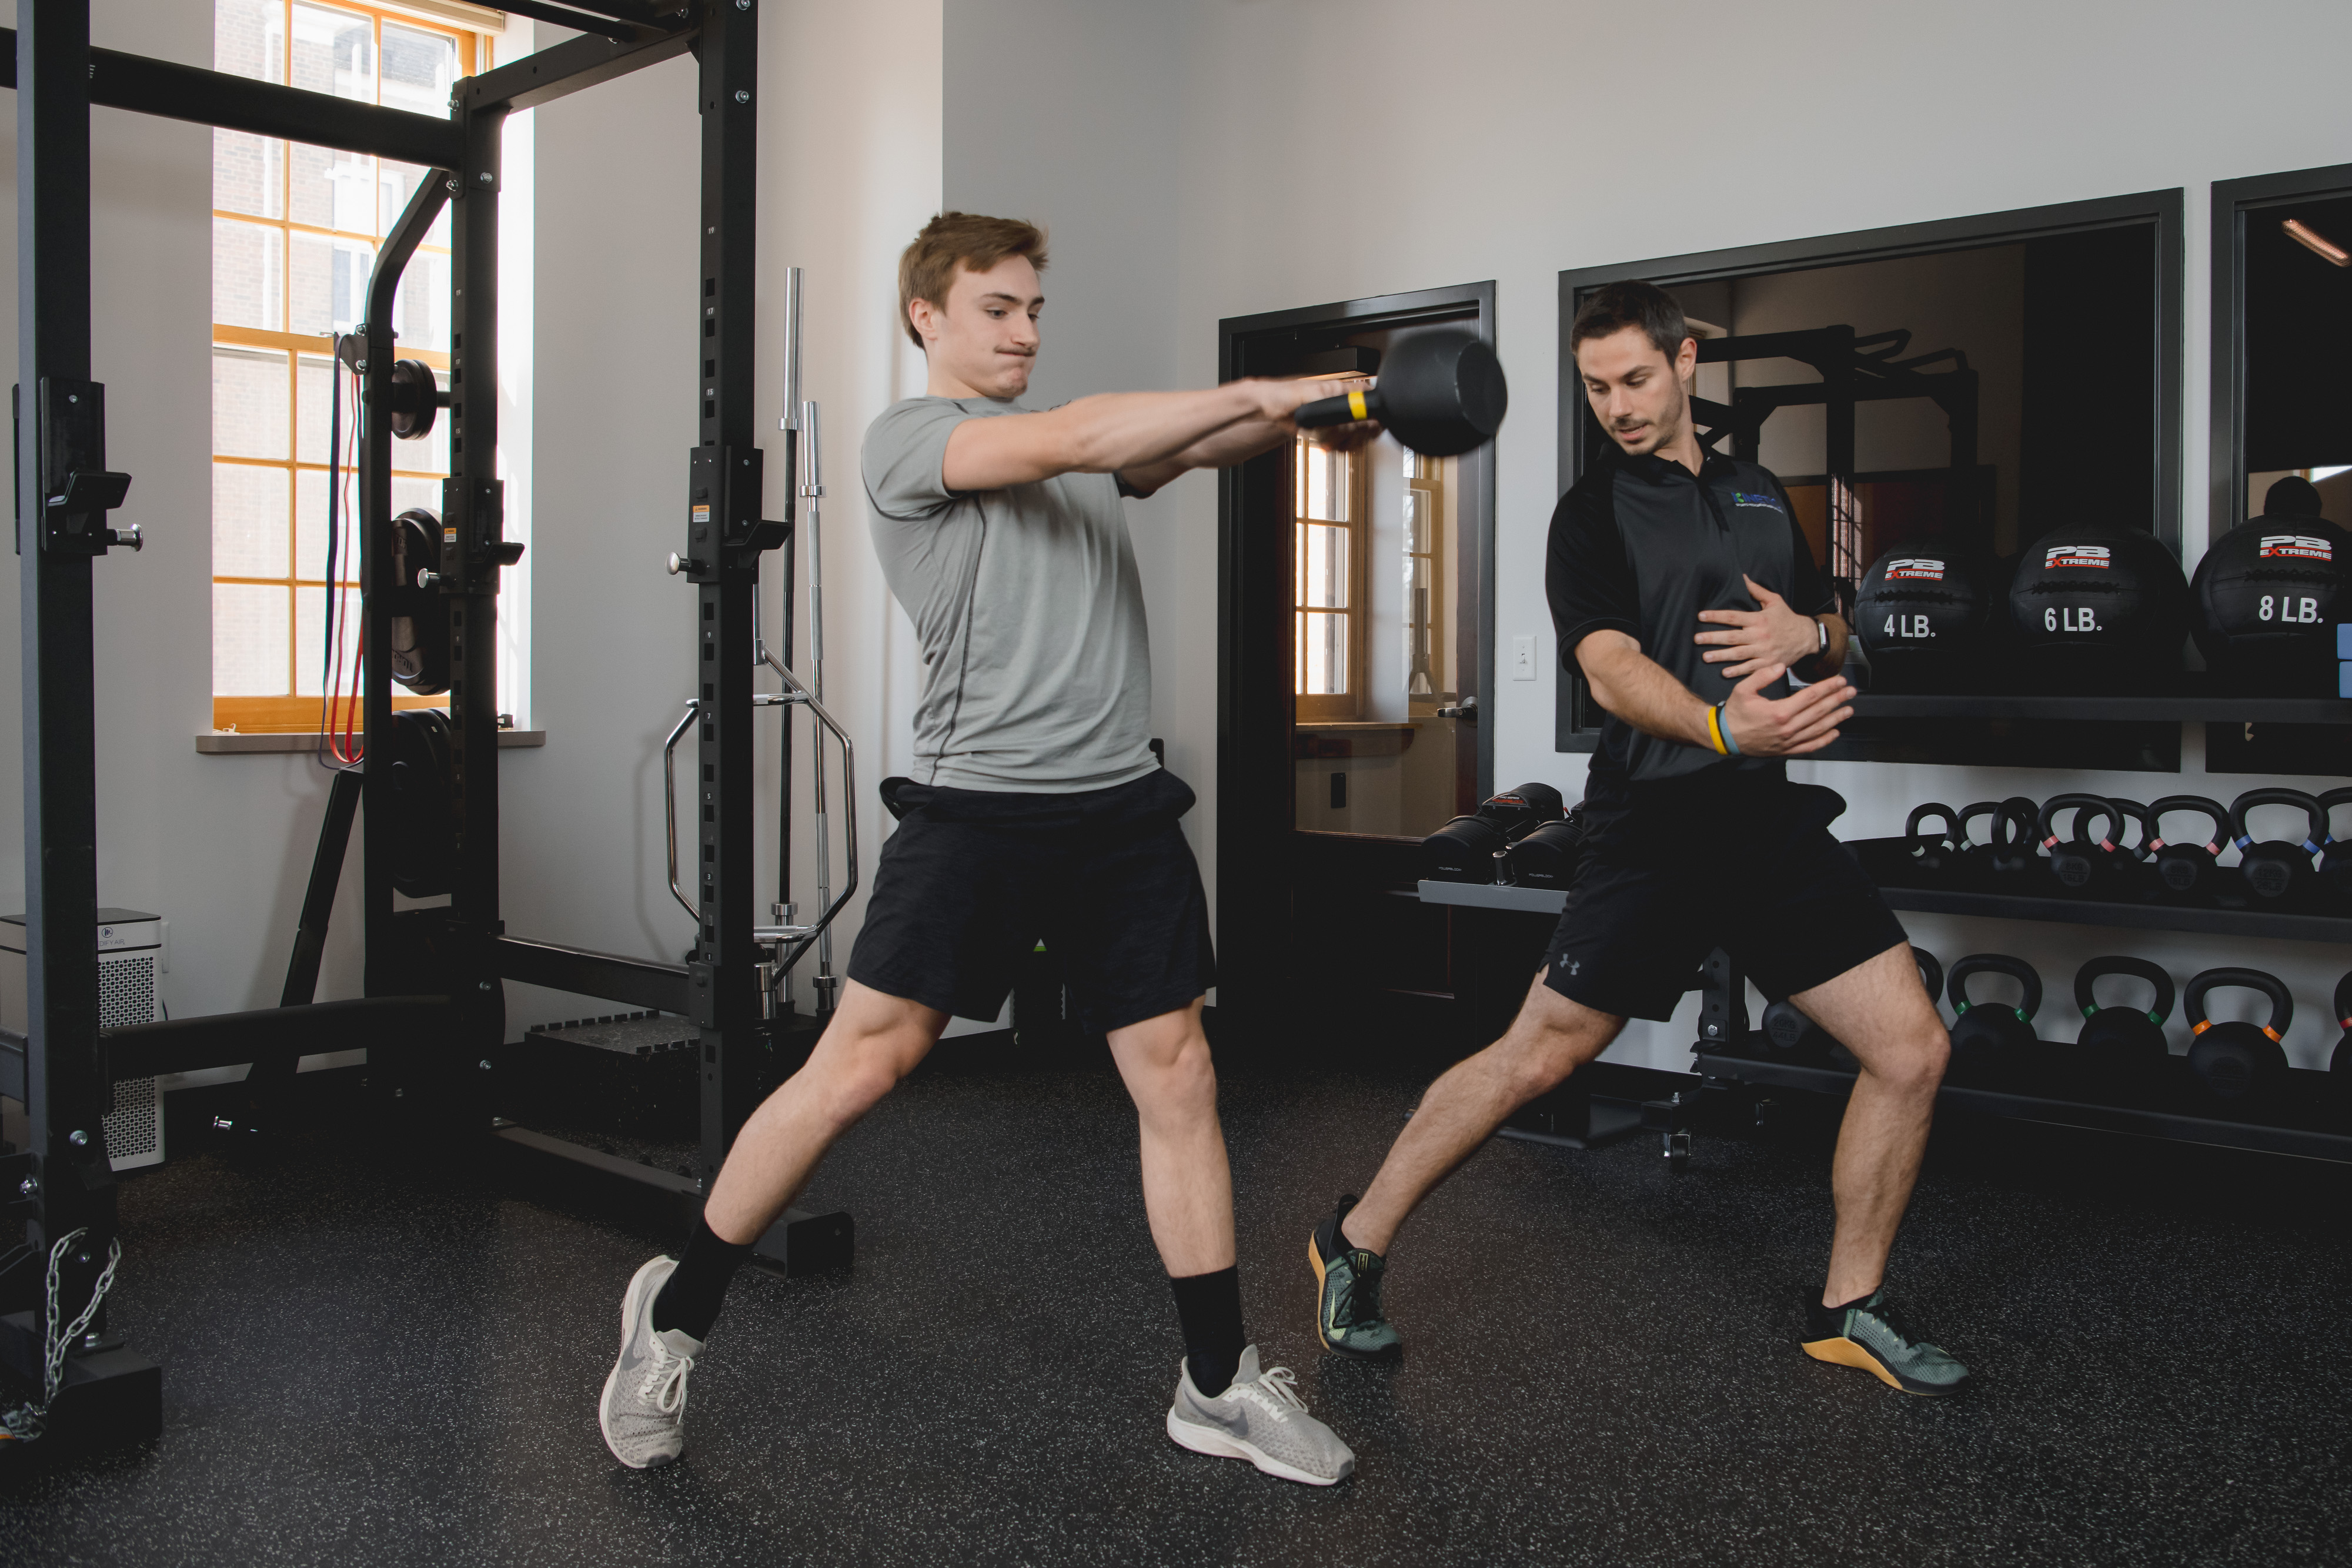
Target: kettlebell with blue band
(2275, 870)
(2238, 1062)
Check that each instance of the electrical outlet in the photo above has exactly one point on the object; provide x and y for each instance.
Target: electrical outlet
(1523, 658)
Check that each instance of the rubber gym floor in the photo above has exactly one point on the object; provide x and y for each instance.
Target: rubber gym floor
(373, 1357)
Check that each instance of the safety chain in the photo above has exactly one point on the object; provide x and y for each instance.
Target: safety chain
(26, 1422)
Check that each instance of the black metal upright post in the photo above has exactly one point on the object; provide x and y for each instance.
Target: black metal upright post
(63, 494)
(725, 536)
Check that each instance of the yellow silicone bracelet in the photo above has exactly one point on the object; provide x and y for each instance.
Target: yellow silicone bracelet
(1715, 731)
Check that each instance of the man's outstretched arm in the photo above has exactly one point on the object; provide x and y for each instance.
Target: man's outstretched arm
(1130, 433)
(1637, 689)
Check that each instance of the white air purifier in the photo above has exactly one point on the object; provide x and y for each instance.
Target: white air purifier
(130, 967)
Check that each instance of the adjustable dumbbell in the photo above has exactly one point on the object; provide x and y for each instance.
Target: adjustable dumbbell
(1993, 1037)
(2276, 870)
(1440, 391)
(2237, 1062)
(2184, 868)
(2077, 862)
(2335, 853)
(1933, 861)
(2121, 1043)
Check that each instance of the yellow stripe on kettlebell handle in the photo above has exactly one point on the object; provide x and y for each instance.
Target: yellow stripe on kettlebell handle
(1355, 404)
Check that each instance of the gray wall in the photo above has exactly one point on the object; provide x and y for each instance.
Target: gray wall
(1225, 158)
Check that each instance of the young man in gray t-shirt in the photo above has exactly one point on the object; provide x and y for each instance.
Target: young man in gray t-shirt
(1037, 810)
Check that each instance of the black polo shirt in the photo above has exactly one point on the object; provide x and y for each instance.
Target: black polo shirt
(1641, 544)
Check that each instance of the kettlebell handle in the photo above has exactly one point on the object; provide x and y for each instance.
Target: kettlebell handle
(1937, 808)
(2017, 970)
(2083, 804)
(2313, 812)
(1970, 813)
(2138, 968)
(2271, 985)
(2327, 804)
(2214, 810)
(1931, 972)
(2131, 811)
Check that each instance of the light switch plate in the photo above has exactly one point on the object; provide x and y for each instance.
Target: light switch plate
(1523, 658)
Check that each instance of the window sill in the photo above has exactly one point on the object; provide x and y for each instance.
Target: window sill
(222, 743)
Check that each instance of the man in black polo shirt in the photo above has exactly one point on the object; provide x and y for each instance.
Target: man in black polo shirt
(1681, 587)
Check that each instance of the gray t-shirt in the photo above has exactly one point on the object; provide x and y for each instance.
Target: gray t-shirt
(1038, 665)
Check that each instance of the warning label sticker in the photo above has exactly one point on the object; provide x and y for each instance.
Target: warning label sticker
(2059, 556)
(1915, 567)
(2299, 546)
(702, 512)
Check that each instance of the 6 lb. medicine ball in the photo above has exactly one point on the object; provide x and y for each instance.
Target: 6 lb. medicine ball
(2097, 607)
(2269, 593)
(1922, 612)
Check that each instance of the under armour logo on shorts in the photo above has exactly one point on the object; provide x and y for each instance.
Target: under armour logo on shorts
(1572, 969)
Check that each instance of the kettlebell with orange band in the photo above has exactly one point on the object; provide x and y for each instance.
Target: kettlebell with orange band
(2238, 1062)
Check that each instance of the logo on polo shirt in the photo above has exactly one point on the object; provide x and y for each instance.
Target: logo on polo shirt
(2059, 556)
(2301, 547)
(1742, 499)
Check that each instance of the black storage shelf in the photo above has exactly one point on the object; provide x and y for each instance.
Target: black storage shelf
(2309, 1119)
(2192, 706)
(1885, 859)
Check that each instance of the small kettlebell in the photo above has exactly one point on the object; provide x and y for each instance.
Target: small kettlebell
(2276, 870)
(2184, 868)
(2118, 1043)
(2077, 862)
(2335, 855)
(2124, 864)
(2237, 1062)
(1933, 859)
(1991, 1036)
(2012, 848)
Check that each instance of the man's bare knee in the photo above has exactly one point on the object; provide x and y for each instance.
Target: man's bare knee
(1913, 1064)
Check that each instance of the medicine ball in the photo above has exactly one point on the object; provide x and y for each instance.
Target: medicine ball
(2098, 607)
(1921, 612)
(2269, 593)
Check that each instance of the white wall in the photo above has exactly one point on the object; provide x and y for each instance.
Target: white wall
(1247, 155)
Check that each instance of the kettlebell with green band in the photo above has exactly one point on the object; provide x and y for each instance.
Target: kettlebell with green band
(1993, 1038)
(2118, 1043)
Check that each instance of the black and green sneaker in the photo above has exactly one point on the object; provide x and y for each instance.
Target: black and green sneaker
(1348, 1317)
(1870, 1333)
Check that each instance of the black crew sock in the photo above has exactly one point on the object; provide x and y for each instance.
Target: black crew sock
(1825, 1321)
(1210, 1308)
(689, 1301)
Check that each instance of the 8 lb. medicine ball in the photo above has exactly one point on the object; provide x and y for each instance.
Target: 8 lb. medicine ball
(2097, 607)
(2269, 593)
(1922, 612)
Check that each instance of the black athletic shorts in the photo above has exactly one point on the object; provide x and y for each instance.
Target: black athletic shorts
(1750, 869)
(974, 878)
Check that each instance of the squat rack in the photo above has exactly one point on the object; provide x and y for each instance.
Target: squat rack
(433, 1003)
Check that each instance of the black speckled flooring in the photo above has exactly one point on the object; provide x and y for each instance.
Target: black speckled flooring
(368, 1362)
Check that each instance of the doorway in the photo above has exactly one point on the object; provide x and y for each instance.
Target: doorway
(1356, 631)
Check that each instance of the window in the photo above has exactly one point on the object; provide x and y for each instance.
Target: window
(1425, 661)
(295, 230)
(1327, 575)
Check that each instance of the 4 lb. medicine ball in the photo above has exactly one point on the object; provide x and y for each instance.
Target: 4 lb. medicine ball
(2269, 593)
(2097, 607)
(1922, 612)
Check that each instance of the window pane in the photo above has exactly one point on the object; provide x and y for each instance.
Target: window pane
(407, 493)
(1324, 489)
(333, 190)
(420, 311)
(249, 521)
(250, 38)
(330, 279)
(1323, 640)
(315, 411)
(1323, 583)
(249, 627)
(248, 289)
(250, 395)
(310, 639)
(248, 174)
(334, 51)
(419, 68)
(311, 526)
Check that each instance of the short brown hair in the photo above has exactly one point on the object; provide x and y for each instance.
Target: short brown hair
(1614, 307)
(954, 240)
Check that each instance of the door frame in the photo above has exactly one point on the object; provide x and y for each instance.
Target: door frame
(1255, 836)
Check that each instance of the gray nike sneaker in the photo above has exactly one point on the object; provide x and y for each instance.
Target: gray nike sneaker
(1872, 1335)
(1262, 1419)
(642, 1411)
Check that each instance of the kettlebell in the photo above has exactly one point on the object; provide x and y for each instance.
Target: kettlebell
(2078, 862)
(1991, 1037)
(2335, 855)
(1791, 1034)
(2276, 870)
(2184, 868)
(2009, 846)
(1933, 861)
(2118, 1043)
(1441, 393)
(2340, 1063)
(2237, 1062)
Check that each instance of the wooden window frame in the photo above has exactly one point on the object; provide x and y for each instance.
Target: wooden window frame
(288, 712)
(1339, 707)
